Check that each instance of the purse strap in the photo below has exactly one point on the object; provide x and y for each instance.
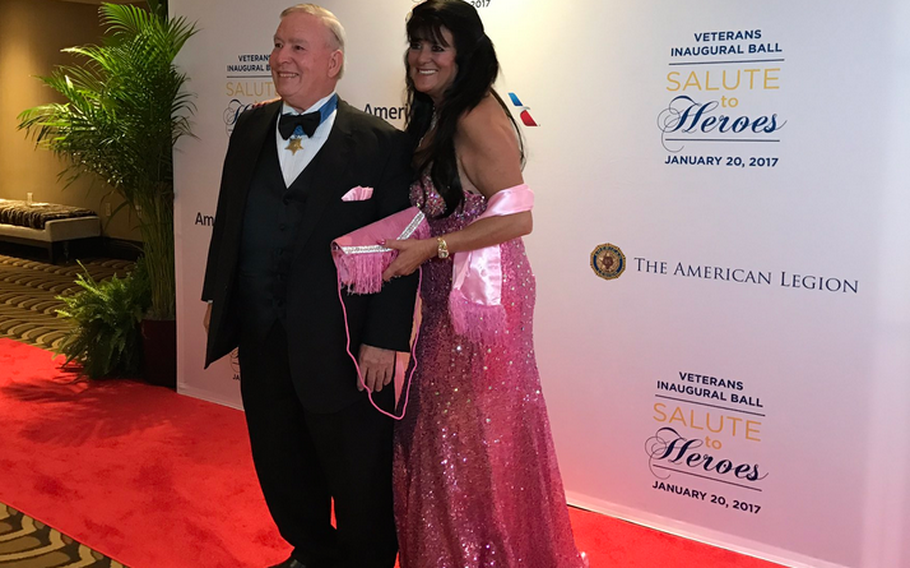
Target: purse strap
(407, 385)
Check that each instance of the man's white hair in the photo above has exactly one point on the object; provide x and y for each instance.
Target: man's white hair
(330, 20)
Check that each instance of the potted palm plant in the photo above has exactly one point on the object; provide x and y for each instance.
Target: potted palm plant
(125, 108)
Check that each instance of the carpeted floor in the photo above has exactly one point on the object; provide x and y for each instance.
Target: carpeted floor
(28, 291)
(27, 543)
(28, 304)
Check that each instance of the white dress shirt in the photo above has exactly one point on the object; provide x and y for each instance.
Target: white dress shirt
(293, 163)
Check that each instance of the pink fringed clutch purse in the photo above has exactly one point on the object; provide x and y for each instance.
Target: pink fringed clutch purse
(360, 261)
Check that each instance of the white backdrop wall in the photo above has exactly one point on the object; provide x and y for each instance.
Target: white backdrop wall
(745, 380)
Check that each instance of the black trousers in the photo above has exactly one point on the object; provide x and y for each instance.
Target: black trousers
(306, 459)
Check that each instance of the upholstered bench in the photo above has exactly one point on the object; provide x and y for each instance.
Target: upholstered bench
(45, 224)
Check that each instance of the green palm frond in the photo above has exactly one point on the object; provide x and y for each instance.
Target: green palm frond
(126, 108)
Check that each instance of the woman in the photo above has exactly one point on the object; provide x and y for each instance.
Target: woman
(476, 479)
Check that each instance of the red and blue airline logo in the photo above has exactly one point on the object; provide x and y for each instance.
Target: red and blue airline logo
(526, 118)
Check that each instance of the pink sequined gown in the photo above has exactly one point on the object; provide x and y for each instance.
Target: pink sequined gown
(475, 475)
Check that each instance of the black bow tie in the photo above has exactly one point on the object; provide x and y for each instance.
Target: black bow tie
(288, 123)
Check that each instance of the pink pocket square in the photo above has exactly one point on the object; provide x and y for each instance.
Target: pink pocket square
(358, 193)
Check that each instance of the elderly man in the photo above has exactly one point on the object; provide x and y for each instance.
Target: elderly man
(288, 189)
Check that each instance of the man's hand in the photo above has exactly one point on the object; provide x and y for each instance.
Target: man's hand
(207, 318)
(377, 366)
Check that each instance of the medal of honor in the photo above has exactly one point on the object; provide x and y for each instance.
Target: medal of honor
(294, 145)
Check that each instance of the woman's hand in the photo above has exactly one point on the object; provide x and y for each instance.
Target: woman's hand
(411, 254)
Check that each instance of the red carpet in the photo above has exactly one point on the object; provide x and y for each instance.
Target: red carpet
(158, 480)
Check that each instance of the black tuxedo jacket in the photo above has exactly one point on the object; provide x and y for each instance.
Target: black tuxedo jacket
(360, 150)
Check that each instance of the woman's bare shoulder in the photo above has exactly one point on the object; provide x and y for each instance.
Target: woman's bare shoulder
(487, 119)
(487, 146)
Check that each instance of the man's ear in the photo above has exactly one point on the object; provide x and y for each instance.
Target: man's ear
(336, 62)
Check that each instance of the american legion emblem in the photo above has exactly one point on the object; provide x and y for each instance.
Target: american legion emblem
(607, 261)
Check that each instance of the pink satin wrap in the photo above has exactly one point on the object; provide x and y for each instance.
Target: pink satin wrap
(475, 302)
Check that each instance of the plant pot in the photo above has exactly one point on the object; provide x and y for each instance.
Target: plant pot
(159, 347)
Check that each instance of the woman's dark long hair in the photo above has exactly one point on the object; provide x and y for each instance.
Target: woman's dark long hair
(477, 70)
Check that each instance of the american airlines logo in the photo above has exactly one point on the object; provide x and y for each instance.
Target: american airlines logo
(524, 111)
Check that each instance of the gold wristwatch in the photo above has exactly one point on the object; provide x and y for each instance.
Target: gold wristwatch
(442, 249)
